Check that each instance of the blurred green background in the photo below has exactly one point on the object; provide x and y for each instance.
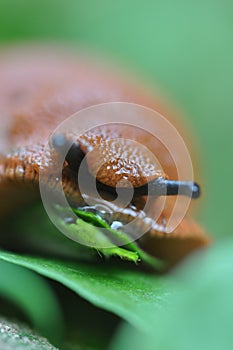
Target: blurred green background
(184, 47)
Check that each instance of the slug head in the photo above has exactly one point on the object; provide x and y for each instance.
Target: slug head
(114, 161)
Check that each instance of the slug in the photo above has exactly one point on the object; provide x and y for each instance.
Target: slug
(40, 88)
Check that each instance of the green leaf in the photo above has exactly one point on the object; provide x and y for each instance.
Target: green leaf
(18, 337)
(34, 297)
(94, 237)
(87, 231)
(131, 295)
(201, 316)
(92, 218)
(44, 238)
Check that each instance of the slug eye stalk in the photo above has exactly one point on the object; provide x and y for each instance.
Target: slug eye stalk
(160, 187)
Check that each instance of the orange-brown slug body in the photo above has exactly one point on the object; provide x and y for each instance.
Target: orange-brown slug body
(40, 88)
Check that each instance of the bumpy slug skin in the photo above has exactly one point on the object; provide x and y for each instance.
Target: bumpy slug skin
(41, 87)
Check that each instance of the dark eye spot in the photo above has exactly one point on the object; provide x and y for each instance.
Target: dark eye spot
(59, 142)
(74, 155)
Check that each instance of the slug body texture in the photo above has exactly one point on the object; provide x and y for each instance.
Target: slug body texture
(40, 88)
